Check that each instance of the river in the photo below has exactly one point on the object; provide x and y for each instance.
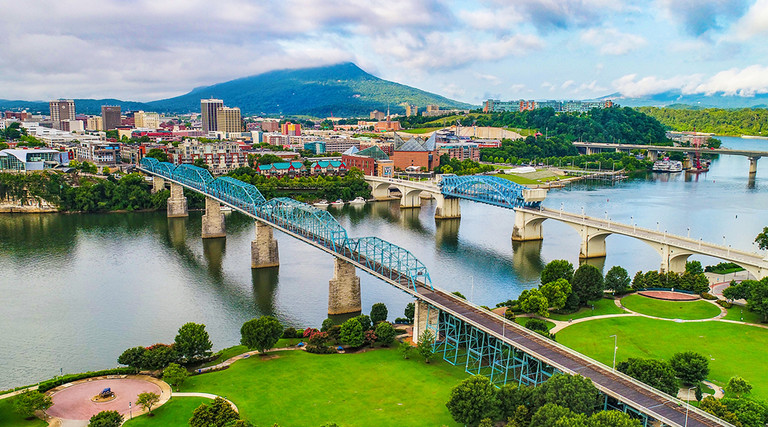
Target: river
(76, 290)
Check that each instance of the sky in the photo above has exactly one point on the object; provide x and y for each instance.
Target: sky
(469, 50)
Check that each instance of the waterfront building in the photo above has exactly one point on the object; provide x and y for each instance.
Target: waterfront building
(328, 167)
(366, 160)
(460, 151)
(22, 160)
(62, 109)
(228, 120)
(283, 168)
(221, 157)
(415, 152)
(110, 117)
(208, 109)
(99, 153)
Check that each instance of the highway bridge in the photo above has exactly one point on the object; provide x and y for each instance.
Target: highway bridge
(483, 342)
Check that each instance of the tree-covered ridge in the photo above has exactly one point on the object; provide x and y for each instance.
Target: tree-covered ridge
(746, 121)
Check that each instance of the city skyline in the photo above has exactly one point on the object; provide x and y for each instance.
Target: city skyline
(468, 51)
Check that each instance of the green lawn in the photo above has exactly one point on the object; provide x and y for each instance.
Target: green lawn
(237, 350)
(364, 389)
(736, 349)
(742, 314)
(524, 321)
(517, 179)
(175, 413)
(9, 418)
(686, 310)
(420, 131)
(602, 306)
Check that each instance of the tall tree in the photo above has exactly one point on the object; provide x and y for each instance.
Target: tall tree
(261, 334)
(556, 292)
(557, 269)
(147, 400)
(617, 280)
(193, 342)
(587, 283)
(472, 400)
(656, 373)
(757, 300)
(409, 311)
(378, 313)
(691, 367)
(175, 375)
(762, 239)
(533, 301)
(218, 413)
(574, 392)
(27, 403)
(425, 345)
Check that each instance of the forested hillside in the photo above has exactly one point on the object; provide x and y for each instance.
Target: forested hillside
(746, 121)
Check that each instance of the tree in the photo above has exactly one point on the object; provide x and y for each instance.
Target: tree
(158, 154)
(557, 269)
(261, 334)
(511, 396)
(385, 333)
(410, 311)
(691, 367)
(556, 292)
(617, 280)
(351, 333)
(533, 301)
(694, 267)
(365, 321)
(574, 392)
(762, 239)
(105, 171)
(656, 373)
(106, 419)
(550, 414)
(718, 409)
(27, 403)
(158, 356)
(175, 375)
(133, 357)
(200, 162)
(587, 284)
(424, 347)
(378, 313)
(757, 300)
(219, 413)
(749, 412)
(472, 400)
(147, 400)
(405, 349)
(738, 386)
(737, 290)
(327, 325)
(193, 342)
(612, 419)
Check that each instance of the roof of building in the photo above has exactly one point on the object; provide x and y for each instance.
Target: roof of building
(415, 144)
(329, 163)
(22, 154)
(352, 150)
(374, 152)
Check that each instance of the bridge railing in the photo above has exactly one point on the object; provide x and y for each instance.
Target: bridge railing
(487, 189)
(388, 260)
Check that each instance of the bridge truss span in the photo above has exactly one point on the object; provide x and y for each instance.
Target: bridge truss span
(491, 190)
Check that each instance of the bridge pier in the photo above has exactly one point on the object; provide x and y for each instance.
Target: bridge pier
(344, 289)
(673, 259)
(424, 317)
(410, 198)
(177, 203)
(653, 155)
(447, 207)
(213, 220)
(158, 184)
(527, 226)
(753, 165)
(264, 252)
(592, 243)
(380, 191)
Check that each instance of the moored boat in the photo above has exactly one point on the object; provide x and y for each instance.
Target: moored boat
(357, 201)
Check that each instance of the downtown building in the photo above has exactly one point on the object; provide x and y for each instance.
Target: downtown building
(208, 115)
(110, 117)
(61, 110)
(221, 157)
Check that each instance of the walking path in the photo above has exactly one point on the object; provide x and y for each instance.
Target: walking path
(207, 395)
(225, 364)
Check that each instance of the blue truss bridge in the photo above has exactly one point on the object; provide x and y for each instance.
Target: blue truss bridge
(467, 335)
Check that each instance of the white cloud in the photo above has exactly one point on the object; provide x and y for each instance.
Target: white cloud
(612, 41)
(741, 82)
(753, 24)
(490, 78)
(566, 84)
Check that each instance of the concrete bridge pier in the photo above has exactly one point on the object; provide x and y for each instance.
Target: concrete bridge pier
(447, 207)
(673, 259)
(177, 203)
(753, 165)
(380, 190)
(653, 155)
(264, 252)
(527, 226)
(592, 242)
(158, 184)
(213, 220)
(424, 317)
(410, 198)
(344, 289)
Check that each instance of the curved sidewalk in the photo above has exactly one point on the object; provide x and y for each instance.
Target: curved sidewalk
(206, 395)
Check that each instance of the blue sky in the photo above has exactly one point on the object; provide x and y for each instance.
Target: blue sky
(467, 50)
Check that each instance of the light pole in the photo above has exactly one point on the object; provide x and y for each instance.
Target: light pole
(688, 401)
(472, 289)
(582, 213)
(561, 209)
(615, 347)
(634, 226)
(657, 226)
(130, 410)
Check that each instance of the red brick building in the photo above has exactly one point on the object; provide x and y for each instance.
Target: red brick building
(415, 152)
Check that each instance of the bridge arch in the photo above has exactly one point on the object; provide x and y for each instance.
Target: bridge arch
(491, 190)
(165, 169)
(149, 163)
(379, 190)
(237, 193)
(306, 220)
(193, 176)
(409, 197)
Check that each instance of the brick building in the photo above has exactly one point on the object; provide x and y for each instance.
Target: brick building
(415, 152)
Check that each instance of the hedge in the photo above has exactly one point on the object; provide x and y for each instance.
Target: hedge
(55, 382)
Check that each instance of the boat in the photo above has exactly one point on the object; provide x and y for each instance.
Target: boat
(666, 165)
(357, 201)
(338, 202)
(225, 208)
(321, 204)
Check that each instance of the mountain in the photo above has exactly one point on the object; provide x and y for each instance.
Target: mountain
(341, 89)
(677, 98)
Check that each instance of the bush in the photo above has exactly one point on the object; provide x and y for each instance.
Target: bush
(47, 385)
(378, 313)
(320, 349)
(402, 321)
(351, 333)
(724, 303)
(106, 419)
(327, 324)
(708, 296)
(30, 401)
(385, 333)
(290, 333)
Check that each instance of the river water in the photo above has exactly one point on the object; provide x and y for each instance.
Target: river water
(76, 290)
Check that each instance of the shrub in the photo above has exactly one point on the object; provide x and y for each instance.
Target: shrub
(708, 296)
(385, 333)
(290, 333)
(724, 303)
(509, 314)
(308, 332)
(351, 333)
(47, 385)
(320, 349)
(106, 419)
(405, 349)
(378, 313)
(30, 401)
(327, 324)
(365, 321)
(216, 414)
(401, 321)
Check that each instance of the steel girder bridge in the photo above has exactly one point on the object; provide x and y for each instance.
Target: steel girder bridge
(485, 343)
(491, 190)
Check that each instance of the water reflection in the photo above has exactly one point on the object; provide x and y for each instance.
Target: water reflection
(213, 251)
(447, 234)
(264, 283)
(526, 259)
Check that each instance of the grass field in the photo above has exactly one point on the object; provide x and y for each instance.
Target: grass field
(734, 349)
(175, 413)
(524, 320)
(602, 306)
(419, 131)
(236, 350)
(738, 313)
(517, 179)
(9, 418)
(371, 388)
(686, 310)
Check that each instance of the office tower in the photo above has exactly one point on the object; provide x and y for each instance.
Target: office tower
(208, 109)
(110, 116)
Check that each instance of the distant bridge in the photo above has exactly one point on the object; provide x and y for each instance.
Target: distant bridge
(483, 342)
(654, 150)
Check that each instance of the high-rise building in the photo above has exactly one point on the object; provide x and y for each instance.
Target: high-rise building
(94, 123)
(228, 120)
(62, 109)
(146, 120)
(411, 110)
(110, 116)
(291, 129)
(209, 115)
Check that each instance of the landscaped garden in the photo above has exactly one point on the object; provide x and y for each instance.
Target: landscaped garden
(9, 417)
(175, 413)
(733, 349)
(596, 308)
(686, 310)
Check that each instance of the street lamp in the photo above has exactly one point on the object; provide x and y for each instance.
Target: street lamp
(615, 347)
(561, 209)
(130, 410)
(689, 232)
(582, 213)
(634, 226)
(688, 401)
